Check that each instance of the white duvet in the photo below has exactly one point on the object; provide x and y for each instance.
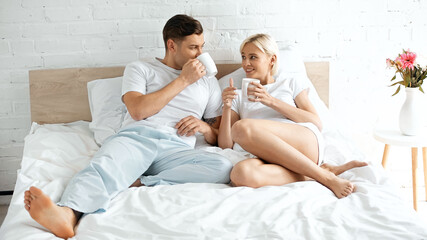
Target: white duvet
(302, 210)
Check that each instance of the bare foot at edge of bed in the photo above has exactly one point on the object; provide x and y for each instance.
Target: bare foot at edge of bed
(337, 170)
(59, 220)
(340, 187)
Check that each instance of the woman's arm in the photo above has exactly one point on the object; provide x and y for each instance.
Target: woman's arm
(229, 117)
(304, 112)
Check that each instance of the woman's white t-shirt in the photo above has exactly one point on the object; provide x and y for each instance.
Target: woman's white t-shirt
(286, 90)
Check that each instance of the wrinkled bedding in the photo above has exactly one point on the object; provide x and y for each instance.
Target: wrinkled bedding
(303, 210)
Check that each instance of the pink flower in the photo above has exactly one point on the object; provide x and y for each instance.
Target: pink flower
(398, 62)
(389, 62)
(407, 60)
(412, 74)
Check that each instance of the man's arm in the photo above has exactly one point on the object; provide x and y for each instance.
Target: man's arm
(141, 106)
(212, 136)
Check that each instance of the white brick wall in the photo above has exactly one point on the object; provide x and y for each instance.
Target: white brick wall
(355, 36)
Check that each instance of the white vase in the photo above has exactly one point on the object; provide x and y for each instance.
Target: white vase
(410, 118)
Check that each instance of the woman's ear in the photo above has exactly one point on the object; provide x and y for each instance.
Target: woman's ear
(273, 60)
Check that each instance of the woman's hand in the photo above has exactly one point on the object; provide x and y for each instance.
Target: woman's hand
(260, 93)
(229, 94)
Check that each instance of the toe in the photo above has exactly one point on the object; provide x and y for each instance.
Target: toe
(35, 191)
(27, 195)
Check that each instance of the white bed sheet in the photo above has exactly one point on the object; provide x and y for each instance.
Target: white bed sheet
(302, 210)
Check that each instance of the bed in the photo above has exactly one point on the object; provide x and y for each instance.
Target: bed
(65, 134)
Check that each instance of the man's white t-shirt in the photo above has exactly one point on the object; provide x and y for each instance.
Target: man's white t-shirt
(200, 99)
(285, 89)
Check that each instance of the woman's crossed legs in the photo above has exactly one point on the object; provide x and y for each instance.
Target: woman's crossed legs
(289, 153)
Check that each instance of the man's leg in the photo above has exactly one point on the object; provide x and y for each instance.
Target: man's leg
(116, 165)
(180, 164)
(113, 168)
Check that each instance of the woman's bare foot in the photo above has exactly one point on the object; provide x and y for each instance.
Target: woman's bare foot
(337, 170)
(340, 187)
(59, 220)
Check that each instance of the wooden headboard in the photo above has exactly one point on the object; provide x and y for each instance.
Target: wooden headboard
(60, 95)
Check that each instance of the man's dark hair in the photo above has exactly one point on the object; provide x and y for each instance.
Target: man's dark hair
(180, 26)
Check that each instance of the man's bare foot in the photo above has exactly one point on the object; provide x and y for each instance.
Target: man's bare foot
(59, 220)
(137, 183)
(340, 187)
(337, 170)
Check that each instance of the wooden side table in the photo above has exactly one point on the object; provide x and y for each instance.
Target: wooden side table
(395, 137)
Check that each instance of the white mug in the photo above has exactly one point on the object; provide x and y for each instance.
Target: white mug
(209, 64)
(245, 85)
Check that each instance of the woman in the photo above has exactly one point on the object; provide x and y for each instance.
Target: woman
(279, 125)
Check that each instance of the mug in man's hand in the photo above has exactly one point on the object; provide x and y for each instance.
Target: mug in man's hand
(209, 64)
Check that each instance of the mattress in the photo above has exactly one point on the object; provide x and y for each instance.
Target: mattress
(53, 153)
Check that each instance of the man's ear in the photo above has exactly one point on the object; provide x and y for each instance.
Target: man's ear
(172, 47)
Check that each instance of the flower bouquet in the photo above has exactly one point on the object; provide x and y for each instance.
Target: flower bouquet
(412, 74)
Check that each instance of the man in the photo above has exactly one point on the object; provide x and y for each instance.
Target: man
(165, 100)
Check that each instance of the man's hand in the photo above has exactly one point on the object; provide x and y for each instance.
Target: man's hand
(190, 125)
(192, 71)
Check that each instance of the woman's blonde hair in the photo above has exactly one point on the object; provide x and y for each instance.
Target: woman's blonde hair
(266, 44)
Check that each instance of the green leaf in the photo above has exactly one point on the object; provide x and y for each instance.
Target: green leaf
(417, 73)
(421, 89)
(401, 82)
(398, 89)
(406, 80)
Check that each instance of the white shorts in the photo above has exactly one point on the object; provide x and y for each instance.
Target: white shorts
(320, 141)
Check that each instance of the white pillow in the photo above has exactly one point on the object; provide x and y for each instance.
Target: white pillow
(106, 107)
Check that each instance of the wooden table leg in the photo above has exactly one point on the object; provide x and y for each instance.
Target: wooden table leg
(414, 176)
(385, 155)
(425, 168)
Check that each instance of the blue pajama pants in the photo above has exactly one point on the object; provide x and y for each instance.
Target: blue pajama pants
(145, 153)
